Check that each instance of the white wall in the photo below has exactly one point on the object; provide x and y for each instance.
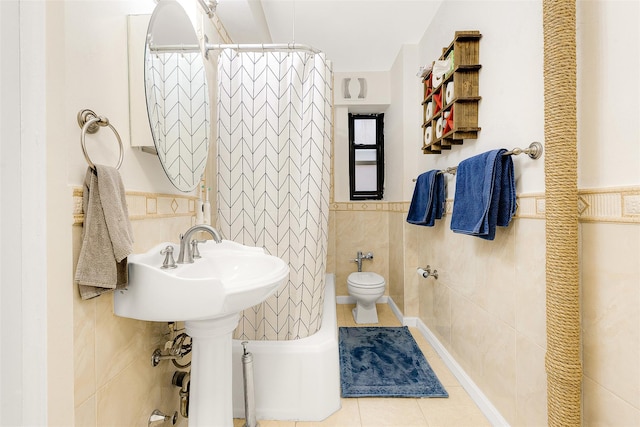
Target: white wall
(375, 91)
(394, 124)
(23, 354)
(412, 93)
(608, 44)
(10, 260)
(402, 126)
(396, 94)
(511, 112)
(93, 52)
(608, 93)
(376, 101)
(341, 153)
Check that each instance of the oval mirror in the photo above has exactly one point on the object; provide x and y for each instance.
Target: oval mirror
(177, 95)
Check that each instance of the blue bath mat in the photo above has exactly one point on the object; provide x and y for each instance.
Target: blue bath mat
(384, 362)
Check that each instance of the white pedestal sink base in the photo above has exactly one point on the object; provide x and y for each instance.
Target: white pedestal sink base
(210, 397)
(228, 278)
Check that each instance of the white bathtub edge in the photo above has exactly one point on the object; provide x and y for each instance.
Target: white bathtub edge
(294, 380)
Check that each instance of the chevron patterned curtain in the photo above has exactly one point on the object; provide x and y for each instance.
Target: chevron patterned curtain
(274, 142)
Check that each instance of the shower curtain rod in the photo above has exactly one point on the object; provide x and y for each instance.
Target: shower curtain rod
(175, 48)
(263, 47)
(256, 47)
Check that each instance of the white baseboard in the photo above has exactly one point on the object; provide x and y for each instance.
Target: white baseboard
(485, 405)
(396, 311)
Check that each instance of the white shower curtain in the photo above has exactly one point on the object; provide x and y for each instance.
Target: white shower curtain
(274, 142)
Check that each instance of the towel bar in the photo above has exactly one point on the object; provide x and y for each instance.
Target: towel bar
(534, 150)
(90, 122)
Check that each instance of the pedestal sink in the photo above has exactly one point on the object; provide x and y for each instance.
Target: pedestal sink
(208, 296)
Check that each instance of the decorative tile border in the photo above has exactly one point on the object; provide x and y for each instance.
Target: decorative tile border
(530, 206)
(144, 205)
(618, 205)
(368, 205)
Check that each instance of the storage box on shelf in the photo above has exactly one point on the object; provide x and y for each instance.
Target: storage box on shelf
(450, 106)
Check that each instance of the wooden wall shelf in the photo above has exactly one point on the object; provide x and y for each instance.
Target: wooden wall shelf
(450, 106)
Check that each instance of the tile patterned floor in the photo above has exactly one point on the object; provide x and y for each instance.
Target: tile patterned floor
(456, 411)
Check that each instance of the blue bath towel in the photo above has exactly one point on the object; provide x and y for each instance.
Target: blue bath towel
(428, 199)
(439, 198)
(485, 194)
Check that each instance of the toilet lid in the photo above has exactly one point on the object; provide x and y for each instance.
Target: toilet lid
(365, 279)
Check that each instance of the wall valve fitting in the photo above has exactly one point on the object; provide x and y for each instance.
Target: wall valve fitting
(183, 380)
(158, 417)
(360, 257)
(178, 348)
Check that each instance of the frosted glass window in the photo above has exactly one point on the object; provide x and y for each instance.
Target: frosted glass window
(366, 177)
(364, 132)
(365, 156)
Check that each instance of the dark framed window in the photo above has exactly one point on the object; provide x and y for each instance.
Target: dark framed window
(366, 156)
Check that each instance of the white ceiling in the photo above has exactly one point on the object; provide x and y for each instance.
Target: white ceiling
(356, 35)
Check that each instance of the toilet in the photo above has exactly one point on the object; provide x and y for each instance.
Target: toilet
(366, 287)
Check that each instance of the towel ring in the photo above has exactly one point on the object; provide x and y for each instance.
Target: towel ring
(90, 122)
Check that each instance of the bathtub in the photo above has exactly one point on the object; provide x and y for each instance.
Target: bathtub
(294, 380)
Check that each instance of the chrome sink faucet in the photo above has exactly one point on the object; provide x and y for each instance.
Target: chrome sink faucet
(186, 256)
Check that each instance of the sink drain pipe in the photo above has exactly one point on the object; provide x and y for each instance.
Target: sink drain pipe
(249, 394)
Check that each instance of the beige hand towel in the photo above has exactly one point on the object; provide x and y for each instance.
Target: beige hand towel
(107, 238)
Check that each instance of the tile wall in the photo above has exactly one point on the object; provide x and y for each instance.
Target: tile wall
(473, 308)
(357, 227)
(487, 309)
(611, 323)
(114, 381)
(488, 305)
(377, 227)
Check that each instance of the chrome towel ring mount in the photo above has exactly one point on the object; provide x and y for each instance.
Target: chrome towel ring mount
(90, 122)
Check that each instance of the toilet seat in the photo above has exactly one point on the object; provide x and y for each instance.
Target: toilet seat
(365, 280)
